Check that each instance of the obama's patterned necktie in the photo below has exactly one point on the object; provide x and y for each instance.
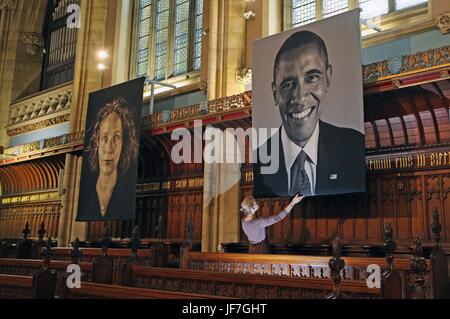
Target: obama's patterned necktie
(300, 183)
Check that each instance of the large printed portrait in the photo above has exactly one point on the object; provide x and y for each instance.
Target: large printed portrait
(308, 110)
(109, 170)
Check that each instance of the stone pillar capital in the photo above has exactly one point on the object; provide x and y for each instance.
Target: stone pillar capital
(8, 4)
(443, 22)
(34, 42)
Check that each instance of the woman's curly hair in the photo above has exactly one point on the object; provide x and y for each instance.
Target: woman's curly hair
(130, 145)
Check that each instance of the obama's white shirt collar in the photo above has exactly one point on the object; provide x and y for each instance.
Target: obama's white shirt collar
(291, 151)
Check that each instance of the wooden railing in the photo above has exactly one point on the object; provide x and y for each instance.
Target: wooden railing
(244, 286)
(287, 266)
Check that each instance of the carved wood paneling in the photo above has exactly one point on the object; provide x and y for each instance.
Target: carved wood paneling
(13, 218)
(405, 201)
(29, 194)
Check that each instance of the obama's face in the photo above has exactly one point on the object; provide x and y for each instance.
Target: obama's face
(302, 80)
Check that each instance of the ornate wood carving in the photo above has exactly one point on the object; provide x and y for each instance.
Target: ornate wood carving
(412, 62)
(391, 283)
(103, 266)
(438, 261)
(44, 280)
(418, 268)
(336, 264)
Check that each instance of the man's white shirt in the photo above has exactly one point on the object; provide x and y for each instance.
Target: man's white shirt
(292, 150)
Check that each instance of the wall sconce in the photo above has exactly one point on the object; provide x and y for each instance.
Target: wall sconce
(102, 56)
(101, 67)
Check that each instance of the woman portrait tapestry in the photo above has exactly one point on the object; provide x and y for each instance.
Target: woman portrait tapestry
(109, 171)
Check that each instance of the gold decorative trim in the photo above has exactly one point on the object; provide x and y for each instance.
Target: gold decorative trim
(173, 185)
(417, 160)
(39, 125)
(30, 198)
(445, 74)
(216, 107)
(46, 144)
(407, 63)
(443, 23)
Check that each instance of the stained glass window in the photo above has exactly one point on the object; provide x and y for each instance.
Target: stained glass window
(332, 7)
(198, 34)
(162, 38)
(170, 37)
(145, 7)
(303, 12)
(181, 37)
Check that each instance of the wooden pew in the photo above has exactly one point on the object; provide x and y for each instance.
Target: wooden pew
(103, 266)
(44, 280)
(100, 291)
(20, 287)
(244, 286)
(392, 285)
(15, 287)
(310, 267)
(24, 247)
(39, 244)
(438, 262)
(132, 260)
(287, 265)
(27, 267)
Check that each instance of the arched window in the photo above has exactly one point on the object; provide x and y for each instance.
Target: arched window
(60, 44)
(169, 37)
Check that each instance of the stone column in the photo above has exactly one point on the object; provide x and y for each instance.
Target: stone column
(87, 78)
(229, 37)
(226, 47)
(20, 67)
(221, 217)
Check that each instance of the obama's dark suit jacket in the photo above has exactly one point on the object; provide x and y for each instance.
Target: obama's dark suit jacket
(341, 166)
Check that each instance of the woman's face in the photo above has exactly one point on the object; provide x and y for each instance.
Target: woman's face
(255, 207)
(110, 144)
